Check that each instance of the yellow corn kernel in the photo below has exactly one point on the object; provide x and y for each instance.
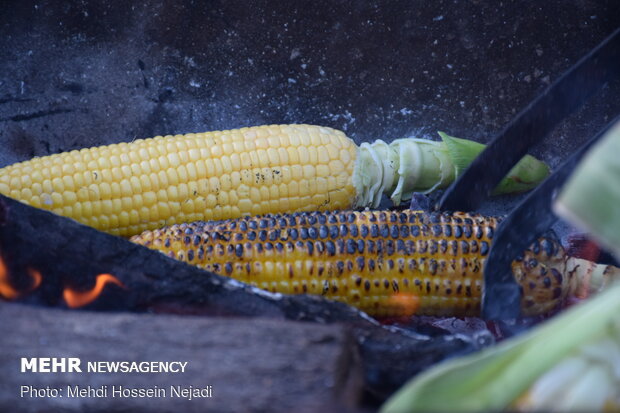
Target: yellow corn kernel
(169, 167)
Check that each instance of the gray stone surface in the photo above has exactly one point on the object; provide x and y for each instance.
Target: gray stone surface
(82, 73)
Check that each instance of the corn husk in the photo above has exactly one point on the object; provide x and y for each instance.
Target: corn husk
(525, 175)
(410, 165)
(591, 197)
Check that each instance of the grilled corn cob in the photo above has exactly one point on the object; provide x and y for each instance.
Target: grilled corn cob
(130, 187)
(385, 263)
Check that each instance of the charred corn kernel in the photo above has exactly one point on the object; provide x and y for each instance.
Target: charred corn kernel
(271, 169)
(385, 263)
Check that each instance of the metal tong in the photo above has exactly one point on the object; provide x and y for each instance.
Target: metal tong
(533, 216)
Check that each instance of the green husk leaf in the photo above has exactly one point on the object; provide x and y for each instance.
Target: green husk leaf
(525, 175)
(591, 197)
(494, 378)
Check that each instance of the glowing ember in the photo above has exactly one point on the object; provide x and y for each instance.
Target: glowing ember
(36, 278)
(580, 246)
(81, 298)
(407, 303)
(6, 290)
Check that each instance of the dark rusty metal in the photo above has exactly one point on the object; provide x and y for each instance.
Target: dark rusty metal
(531, 218)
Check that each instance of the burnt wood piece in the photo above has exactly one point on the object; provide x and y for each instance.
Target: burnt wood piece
(252, 365)
(70, 254)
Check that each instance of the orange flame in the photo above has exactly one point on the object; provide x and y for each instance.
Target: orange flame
(6, 290)
(81, 298)
(36, 278)
(407, 304)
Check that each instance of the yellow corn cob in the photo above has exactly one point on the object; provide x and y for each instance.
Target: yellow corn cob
(385, 263)
(130, 187)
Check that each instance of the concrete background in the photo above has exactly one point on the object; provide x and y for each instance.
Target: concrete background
(81, 73)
